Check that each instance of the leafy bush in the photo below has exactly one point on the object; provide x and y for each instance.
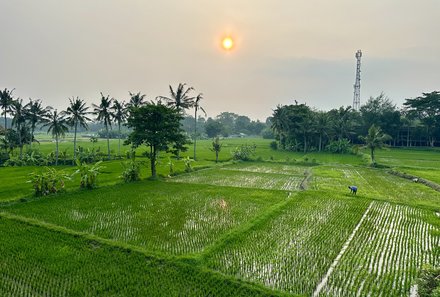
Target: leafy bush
(188, 167)
(274, 145)
(88, 174)
(429, 282)
(268, 134)
(171, 165)
(341, 146)
(132, 171)
(49, 182)
(244, 152)
(89, 155)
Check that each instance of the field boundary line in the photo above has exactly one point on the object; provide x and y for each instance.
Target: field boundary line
(341, 253)
(416, 179)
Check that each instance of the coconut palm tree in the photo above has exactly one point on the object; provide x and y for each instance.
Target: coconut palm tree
(119, 116)
(179, 98)
(19, 120)
(105, 115)
(58, 125)
(375, 139)
(322, 123)
(76, 114)
(136, 100)
(35, 113)
(196, 108)
(6, 102)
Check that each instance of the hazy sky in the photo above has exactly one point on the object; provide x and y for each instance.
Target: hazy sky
(285, 50)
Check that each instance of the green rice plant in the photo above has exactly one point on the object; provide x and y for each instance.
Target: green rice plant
(88, 174)
(294, 246)
(37, 261)
(259, 175)
(166, 217)
(48, 182)
(392, 243)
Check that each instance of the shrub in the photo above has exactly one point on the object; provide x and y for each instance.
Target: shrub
(171, 165)
(132, 171)
(274, 145)
(188, 167)
(429, 282)
(244, 152)
(49, 182)
(88, 174)
(341, 146)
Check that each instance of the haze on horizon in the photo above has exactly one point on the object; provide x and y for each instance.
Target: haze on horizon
(285, 50)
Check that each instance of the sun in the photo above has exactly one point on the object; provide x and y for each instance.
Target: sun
(227, 43)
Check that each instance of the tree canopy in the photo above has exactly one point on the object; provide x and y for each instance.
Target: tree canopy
(158, 127)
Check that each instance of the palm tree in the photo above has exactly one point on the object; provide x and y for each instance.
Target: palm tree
(58, 125)
(196, 108)
(179, 98)
(35, 113)
(19, 120)
(322, 123)
(136, 100)
(119, 115)
(375, 139)
(6, 102)
(76, 114)
(104, 115)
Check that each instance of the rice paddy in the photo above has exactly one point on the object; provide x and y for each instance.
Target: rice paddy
(234, 229)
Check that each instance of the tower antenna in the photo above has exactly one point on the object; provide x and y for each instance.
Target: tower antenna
(357, 84)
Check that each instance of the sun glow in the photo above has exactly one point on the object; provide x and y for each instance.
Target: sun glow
(227, 43)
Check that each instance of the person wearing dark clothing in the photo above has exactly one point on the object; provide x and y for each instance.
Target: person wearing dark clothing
(353, 189)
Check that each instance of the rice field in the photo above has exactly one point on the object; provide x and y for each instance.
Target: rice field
(261, 176)
(385, 254)
(163, 217)
(35, 261)
(294, 248)
(234, 229)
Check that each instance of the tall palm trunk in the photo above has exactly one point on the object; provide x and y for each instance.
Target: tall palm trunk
(32, 135)
(5, 119)
(20, 144)
(56, 151)
(108, 142)
(320, 142)
(74, 142)
(119, 144)
(195, 133)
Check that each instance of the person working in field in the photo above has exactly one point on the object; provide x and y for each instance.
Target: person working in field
(353, 189)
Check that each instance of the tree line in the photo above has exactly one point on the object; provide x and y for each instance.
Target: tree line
(299, 127)
(110, 112)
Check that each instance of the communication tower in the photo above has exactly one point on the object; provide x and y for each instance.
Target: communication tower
(357, 84)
